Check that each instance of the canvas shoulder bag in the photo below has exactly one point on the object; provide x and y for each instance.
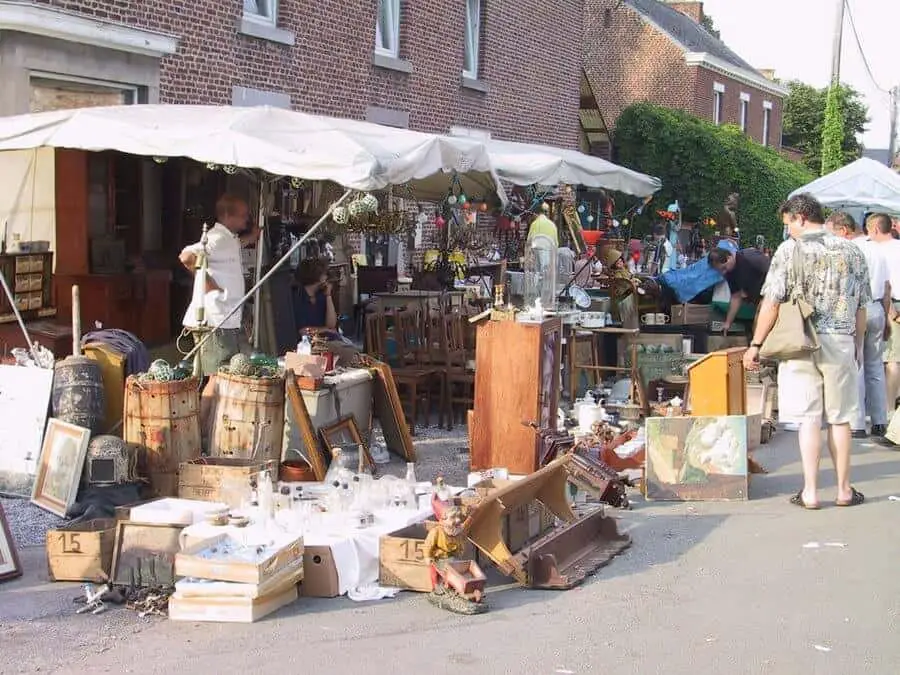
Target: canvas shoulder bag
(793, 336)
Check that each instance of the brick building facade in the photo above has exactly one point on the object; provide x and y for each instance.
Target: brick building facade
(318, 57)
(645, 50)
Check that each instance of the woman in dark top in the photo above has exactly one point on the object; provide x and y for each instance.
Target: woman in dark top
(313, 305)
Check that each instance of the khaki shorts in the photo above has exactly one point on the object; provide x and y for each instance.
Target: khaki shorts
(892, 345)
(220, 347)
(821, 387)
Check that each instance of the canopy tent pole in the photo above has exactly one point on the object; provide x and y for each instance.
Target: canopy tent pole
(253, 291)
(260, 245)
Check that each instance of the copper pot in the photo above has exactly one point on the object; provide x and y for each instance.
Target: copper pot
(295, 471)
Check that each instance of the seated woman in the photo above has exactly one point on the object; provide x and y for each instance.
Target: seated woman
(314, 312)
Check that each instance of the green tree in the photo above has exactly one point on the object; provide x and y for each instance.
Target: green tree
(708, 24)
(833, 133)
(804, 122)
(700, 164)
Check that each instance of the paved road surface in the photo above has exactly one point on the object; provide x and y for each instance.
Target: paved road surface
(707, 588)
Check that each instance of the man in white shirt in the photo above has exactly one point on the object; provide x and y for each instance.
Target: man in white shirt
(880, 232)
(871, 372)
(224, 288)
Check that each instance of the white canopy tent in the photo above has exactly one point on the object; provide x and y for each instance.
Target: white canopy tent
(356, 155)
(527, 164)
(863, 185)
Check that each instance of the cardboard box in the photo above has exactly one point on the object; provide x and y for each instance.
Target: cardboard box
(190, 563)
(229, 609)
(82, 551)
(402, 562)
(220, 479)
(691, 315)
(320, 578)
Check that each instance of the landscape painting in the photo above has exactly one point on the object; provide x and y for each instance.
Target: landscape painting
(697, 458)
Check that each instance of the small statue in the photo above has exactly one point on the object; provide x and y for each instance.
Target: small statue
(456, 585)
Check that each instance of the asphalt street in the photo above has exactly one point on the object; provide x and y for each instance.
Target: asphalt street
(727, 588)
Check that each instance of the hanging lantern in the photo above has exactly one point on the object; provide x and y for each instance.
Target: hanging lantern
(160, 160)
(451, 200)
(230, 169)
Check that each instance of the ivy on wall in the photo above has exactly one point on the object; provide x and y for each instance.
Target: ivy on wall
(833, 133)
(700, 164)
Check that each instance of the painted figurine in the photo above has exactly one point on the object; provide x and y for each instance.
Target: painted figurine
(456, 585)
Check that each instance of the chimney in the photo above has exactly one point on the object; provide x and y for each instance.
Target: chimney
(768, 73)
(693, 10)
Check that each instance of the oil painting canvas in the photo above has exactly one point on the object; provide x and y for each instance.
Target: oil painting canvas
(697, 458)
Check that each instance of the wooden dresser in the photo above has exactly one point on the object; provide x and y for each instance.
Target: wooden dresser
(517, 380)
(717, 384)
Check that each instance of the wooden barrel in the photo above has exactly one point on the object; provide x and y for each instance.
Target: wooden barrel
(78, 396)
(249, 417)
(163, 420)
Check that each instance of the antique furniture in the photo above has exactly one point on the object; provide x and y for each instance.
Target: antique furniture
(517, 368)
(717, 384)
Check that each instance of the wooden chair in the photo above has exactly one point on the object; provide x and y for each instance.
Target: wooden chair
(412, 372)
(459, 380)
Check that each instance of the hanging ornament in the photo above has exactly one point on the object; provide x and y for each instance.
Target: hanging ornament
(160, 160)
(340, 215)
(545, 207)
(590, 219)
(451, 200)
(212, 166)
(483, 207)
(230, 169)
(422, 218)
(466, 205)
(370, 202)
(625, 222)
(461, 198)
(439, 222)
(296, 182)
(581, 208)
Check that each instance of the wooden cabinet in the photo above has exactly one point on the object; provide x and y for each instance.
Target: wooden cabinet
(717, 385)
(29, 276)
(517, 379)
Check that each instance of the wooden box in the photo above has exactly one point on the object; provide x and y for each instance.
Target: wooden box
(191, 563)
(517, 371)
(230, 609)
(82, 551)
(690, 315)
(220, 479)
(401, 560)
(717, 385)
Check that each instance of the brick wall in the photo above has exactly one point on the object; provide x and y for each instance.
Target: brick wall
(627, 60)
(530, 60)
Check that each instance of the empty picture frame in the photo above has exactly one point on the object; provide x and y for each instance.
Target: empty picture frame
(389, 411)
(60, 467)
(311, 450)
(9, 559)
(344, 435)
(144, 554)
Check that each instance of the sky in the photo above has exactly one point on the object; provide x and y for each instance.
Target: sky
(795, 38)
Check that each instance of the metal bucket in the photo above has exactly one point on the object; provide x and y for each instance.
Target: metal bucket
(163, 420)
(78, 396)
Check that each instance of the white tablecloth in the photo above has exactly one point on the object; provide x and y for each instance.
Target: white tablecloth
(355, 551)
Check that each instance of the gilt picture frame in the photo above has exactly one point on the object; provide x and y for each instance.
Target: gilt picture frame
(60, 467)
(10, 568)
(312, 451)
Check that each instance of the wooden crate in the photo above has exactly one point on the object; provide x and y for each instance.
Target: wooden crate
(191, 563)
(82, 551)
(229, 609)
(691, 315)
(220, 479)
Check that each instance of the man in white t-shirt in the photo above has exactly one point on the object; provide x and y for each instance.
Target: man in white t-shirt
(872, 390)
(880, 231)
(224, 288)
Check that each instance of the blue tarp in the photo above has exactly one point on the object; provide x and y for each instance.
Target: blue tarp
(689, 282)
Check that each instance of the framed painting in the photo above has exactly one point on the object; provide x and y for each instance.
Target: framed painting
(389, 411)
(344, 435)
(9, 559)
(144, 554)
(311, 451)
(697, 458)
(60, 467)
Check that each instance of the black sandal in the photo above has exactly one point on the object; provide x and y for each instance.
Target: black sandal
(797, 500)
(856, 498)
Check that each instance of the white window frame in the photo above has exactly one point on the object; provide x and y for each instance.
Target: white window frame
(472, 51)
(466, 132)
(266, 11)
(718, 102)
(767, 122)
(745, 111)
(392, 31)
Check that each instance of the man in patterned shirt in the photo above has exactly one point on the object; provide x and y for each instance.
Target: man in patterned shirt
(834, 280)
